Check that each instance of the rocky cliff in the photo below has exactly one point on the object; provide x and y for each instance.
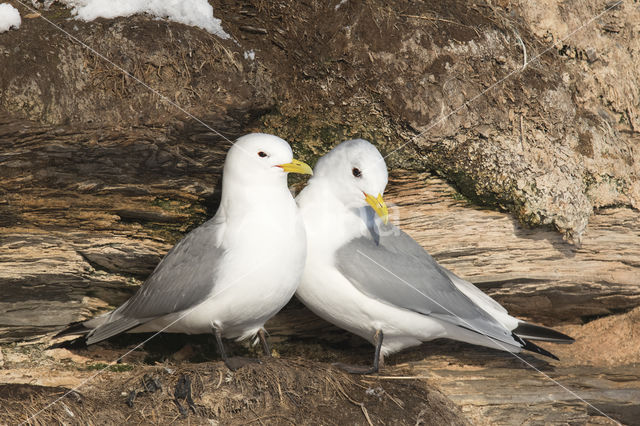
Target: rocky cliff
(510, 130)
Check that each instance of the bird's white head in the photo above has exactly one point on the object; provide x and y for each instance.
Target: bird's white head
(259, 158)
(357, 174)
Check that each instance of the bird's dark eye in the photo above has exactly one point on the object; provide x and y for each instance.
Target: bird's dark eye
(356, 172)
(262, 154)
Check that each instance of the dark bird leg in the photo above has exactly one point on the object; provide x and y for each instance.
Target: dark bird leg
(235, 362)
(358, 369)
(223, 353)
(262, 335)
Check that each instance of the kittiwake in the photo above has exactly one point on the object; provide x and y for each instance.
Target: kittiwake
(235, 271)
(372, 279)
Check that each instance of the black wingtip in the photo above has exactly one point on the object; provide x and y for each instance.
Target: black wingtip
(537, 349)
(530, 331)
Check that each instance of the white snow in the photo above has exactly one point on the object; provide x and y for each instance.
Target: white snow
(197, 13)
(250, 54)
(9, 17)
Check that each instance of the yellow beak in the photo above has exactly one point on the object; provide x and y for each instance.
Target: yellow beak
(379, 206)
(296, 166)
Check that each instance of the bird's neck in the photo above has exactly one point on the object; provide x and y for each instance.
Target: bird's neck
(328, 214)
(240, 197)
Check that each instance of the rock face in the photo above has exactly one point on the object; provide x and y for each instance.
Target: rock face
(469, 91)
(169, 72)
(512, 102)
(526, 107)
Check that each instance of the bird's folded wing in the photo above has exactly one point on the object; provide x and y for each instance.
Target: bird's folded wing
(398, 271)
(481, 298)
(111, 329)
(184, 278)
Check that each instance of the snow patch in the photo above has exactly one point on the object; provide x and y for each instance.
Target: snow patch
(250, 54)
(9, 17)
(197, 13)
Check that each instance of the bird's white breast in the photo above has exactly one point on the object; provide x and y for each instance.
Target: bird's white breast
(325, 291)
(329, 294)
(264, 257)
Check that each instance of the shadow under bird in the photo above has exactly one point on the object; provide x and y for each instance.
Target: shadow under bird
(372, 279)
(235, 271)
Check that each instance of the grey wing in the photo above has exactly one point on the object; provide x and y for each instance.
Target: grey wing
(398, 271)
(475, 291)
(184, 278)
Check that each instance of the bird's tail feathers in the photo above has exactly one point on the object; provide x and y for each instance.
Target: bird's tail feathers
(84, 327)
(509, 343)
(518, 342)
(530, 331)
(112, 328)
(75, 328)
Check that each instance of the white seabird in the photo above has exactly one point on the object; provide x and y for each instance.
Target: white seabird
(235, 271)
(374, 280)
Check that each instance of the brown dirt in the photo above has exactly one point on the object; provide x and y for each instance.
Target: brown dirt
(302, 387)
(609, 341)
(292, 391)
